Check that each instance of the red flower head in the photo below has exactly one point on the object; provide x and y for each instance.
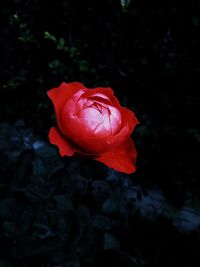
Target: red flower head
(91, 122)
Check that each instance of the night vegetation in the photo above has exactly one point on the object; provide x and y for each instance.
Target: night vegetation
(73, 212)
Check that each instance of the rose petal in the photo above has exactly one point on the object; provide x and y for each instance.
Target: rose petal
(122, 158)
(65, 146)
(129, 118)
(86, 129)
(92, 121)
(101, 92)
(93, 137)
(99, 96)
(62, 94)
(129, 122)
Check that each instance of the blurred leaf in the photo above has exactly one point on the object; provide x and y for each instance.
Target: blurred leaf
(100, 189)
(15, 17)
(64, 203)
(112, 203)
(110, 241)
(49, 36)
(125, 3)
(152, 205)
(7, 208)
(44, 247)
(5, 264)
(73, 263)
(42, 231)
(83, 214)
(46, 151)
(61, 44)
(187, 220)
(101, 222)
(83, 65)
(23, 170)
(40, 188)
(11, 230)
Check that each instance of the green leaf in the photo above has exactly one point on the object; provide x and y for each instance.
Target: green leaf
(83, 66)
(61, 44)
(49, 36)
(125, 3)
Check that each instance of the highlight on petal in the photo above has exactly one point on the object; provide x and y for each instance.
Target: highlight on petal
(65, 146)
(60, 95)
(92, 122)
(86, 130)
(103, 95)
(121, 158)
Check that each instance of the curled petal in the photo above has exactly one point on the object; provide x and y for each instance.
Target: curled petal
(122, 158)
(115, 119)
(103, 95)
(65, 146)
(129, 118)
(60, 95)
(100, 92)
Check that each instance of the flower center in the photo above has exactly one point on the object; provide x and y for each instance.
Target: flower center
(101, 118)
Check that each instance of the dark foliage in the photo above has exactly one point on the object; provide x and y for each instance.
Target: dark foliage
(63, 212)
(60, 212)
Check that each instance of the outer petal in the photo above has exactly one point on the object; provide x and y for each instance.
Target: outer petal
(129, 118)
(122, 158)
(107, 92)
(65, 146)
(61, 94)
(129, 123)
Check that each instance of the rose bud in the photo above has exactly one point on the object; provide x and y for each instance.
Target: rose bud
(92, 123)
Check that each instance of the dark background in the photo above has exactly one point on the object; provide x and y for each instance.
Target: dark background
(59, 212)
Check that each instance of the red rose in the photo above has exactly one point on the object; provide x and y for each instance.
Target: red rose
(92, 123)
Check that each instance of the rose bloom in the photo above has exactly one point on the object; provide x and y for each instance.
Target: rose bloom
(92, 123)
